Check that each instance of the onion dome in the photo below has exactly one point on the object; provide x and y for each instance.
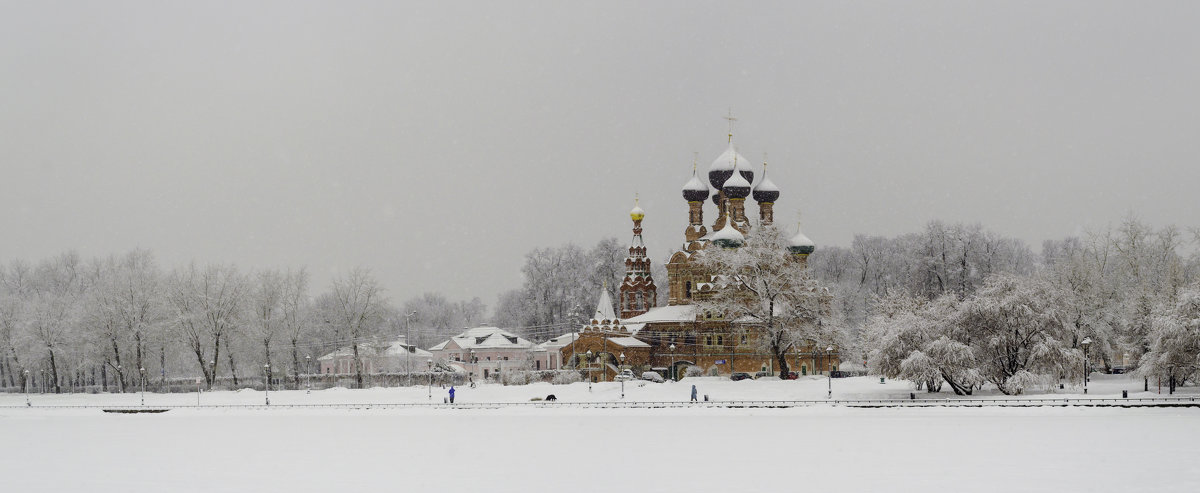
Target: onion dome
(695, 190)
(637, 214)
(765, 191)
(800, 244)
(728, 237)
(722, 168)
(736, 187)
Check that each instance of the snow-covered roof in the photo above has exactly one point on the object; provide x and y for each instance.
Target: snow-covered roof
(736, 180)
(399, 348)
(800, 240)
(728, 235)
(604, 309)
(669, 313)
(486, 338)
(695, 184)
(559, 342)
(729, 160)
(627, 342)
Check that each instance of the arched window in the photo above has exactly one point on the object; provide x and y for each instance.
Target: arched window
(687, 293)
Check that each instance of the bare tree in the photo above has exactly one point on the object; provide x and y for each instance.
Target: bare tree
(358, 309)
(206, 306)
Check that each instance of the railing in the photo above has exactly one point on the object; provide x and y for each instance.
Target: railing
(1187, 401)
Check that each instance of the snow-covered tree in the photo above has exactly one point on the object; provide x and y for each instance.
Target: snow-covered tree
(1015, 327)
(1174, 339)
(915, 339)
(764, 289)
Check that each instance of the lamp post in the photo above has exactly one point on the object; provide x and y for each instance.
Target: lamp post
(267, 380)
(622, 380)
(308, 370)
(1086, 342)
(407, 337)
(430, 362)
(589, 361)
(142, 378)
(673, 375)
(26, 382)
(42, 382)
(828, 353)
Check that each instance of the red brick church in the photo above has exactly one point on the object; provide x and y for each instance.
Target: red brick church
(672, 338)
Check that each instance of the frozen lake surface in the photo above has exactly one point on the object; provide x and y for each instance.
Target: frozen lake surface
(574, 449)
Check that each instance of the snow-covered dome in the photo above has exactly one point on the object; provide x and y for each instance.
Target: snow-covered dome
(736, 187)
(766, 191)
(695, 190)
(728, 237)
(800, 243)
(722, 168)
(637, 214)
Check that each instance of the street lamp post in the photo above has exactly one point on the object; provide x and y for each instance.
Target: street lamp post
(589, 362)
(673, 375)
(828, 361)
(430, 380)
(267, 380)
(26, 382)
(622, 380)
(142, 378)
(407, 338)
(308, 370)
(1086, 342)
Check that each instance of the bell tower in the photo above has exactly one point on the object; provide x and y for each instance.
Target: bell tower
(638, 293)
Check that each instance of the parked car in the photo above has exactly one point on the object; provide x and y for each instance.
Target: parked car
(740, 375)
(1117, 370)
(791, 375)
(653, 376)
(762, 374)
(624, 375)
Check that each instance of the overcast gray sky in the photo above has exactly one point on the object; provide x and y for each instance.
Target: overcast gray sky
(438, 142)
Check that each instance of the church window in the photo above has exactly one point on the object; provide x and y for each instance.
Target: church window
(687, 293)
(708, 341)
(720, 341)
(743, 338)
(639, 301)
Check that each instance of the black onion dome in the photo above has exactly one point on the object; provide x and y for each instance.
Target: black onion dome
(766, 191)
(695, 190)
(718, 177)
(736, 187)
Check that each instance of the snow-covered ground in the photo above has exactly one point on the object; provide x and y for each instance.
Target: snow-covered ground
(578, 449)
(573, 449)
(718, 389)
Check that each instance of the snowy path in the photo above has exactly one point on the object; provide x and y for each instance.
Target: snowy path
(695, 449)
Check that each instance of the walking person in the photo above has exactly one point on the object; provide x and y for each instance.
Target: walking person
(694, 399)
(452, 394)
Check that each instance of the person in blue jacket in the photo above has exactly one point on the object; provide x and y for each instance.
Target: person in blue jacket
(452, 394)
(694, 394)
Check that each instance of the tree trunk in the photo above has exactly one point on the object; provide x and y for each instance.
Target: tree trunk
(232, 365)
(358, 377)
(117, 365)
(781, 357)
(296, 364)
(54, 372)
(267, 358)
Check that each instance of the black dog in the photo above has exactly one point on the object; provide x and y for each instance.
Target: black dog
(551, 397)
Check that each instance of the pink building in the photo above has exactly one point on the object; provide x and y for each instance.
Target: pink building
(394, 357)
(484, 352)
